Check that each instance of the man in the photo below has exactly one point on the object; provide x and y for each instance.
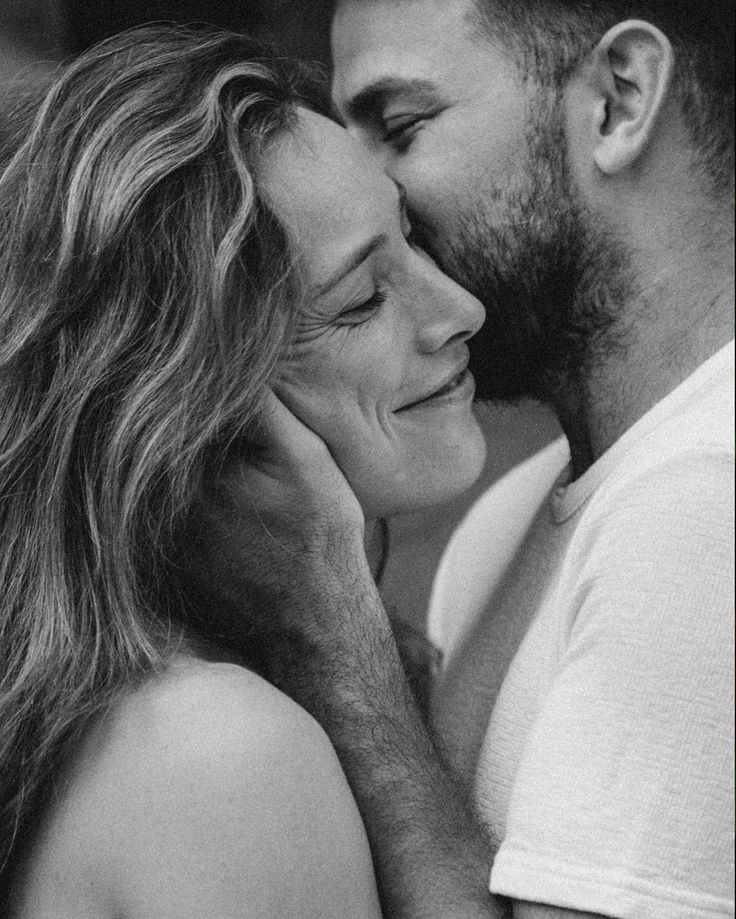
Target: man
(571, 164)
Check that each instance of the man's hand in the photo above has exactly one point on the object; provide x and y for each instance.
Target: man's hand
(281, 541)
(280, 521)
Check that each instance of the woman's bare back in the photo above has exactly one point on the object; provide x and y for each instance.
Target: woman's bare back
(203, 793)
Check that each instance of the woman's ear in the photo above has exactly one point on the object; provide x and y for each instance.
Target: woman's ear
(632, 73)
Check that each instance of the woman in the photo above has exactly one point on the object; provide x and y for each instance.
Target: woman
(184, 233)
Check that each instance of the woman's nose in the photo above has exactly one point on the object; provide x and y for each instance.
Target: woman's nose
(447, 312)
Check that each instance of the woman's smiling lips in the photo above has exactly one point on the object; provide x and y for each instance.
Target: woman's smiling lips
(460, 387)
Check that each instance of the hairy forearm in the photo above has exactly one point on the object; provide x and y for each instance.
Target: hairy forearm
(431, 858)
(278, 553)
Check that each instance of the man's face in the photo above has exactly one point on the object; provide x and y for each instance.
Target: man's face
(480, 152)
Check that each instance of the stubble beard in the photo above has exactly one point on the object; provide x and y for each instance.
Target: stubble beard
(551, 279)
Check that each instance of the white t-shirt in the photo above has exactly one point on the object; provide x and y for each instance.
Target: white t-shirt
(588, 694)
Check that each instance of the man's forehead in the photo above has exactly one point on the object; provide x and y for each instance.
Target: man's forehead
(390, 45)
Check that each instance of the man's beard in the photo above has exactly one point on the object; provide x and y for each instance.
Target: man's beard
(550, 277)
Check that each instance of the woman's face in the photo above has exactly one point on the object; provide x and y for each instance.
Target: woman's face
(378, 368)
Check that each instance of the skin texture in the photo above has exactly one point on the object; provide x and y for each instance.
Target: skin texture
(632, 167)
(209, 777)
(392, 331)
(434, 96)
(328, 643)
(408, 88)
(498, 209)
(579, 221)
(205, 793)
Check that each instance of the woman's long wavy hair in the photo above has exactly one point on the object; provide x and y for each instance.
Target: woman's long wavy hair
(146, 294)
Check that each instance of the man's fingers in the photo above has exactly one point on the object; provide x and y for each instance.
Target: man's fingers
(281, 431)
(289, 469)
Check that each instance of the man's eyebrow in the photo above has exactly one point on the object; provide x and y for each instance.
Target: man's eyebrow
(355, 260)
(368, 102)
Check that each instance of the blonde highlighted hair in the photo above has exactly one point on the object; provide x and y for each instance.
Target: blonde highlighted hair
(146, 293)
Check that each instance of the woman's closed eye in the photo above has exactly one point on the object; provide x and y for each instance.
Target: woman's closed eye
(363, 312)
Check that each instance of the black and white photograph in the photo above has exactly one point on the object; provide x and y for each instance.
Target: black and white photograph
(367, 442)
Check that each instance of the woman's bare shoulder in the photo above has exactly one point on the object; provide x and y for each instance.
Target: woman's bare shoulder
(206, 788)
(224, 704)
(197, 719)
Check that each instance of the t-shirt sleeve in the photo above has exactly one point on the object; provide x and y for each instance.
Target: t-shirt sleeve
(624, 802)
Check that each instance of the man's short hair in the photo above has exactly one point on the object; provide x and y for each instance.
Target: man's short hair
(553, 37)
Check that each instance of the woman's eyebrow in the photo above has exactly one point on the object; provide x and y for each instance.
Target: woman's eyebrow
(355, 260)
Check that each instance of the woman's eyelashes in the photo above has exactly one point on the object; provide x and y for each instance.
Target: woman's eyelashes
(362, 312)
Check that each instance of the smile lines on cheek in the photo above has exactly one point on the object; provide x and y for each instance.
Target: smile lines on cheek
(312, 327)
(449, 389)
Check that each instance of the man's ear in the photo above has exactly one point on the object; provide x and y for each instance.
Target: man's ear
(632, 73)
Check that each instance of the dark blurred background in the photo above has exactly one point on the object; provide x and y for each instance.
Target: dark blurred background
(34, 33)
